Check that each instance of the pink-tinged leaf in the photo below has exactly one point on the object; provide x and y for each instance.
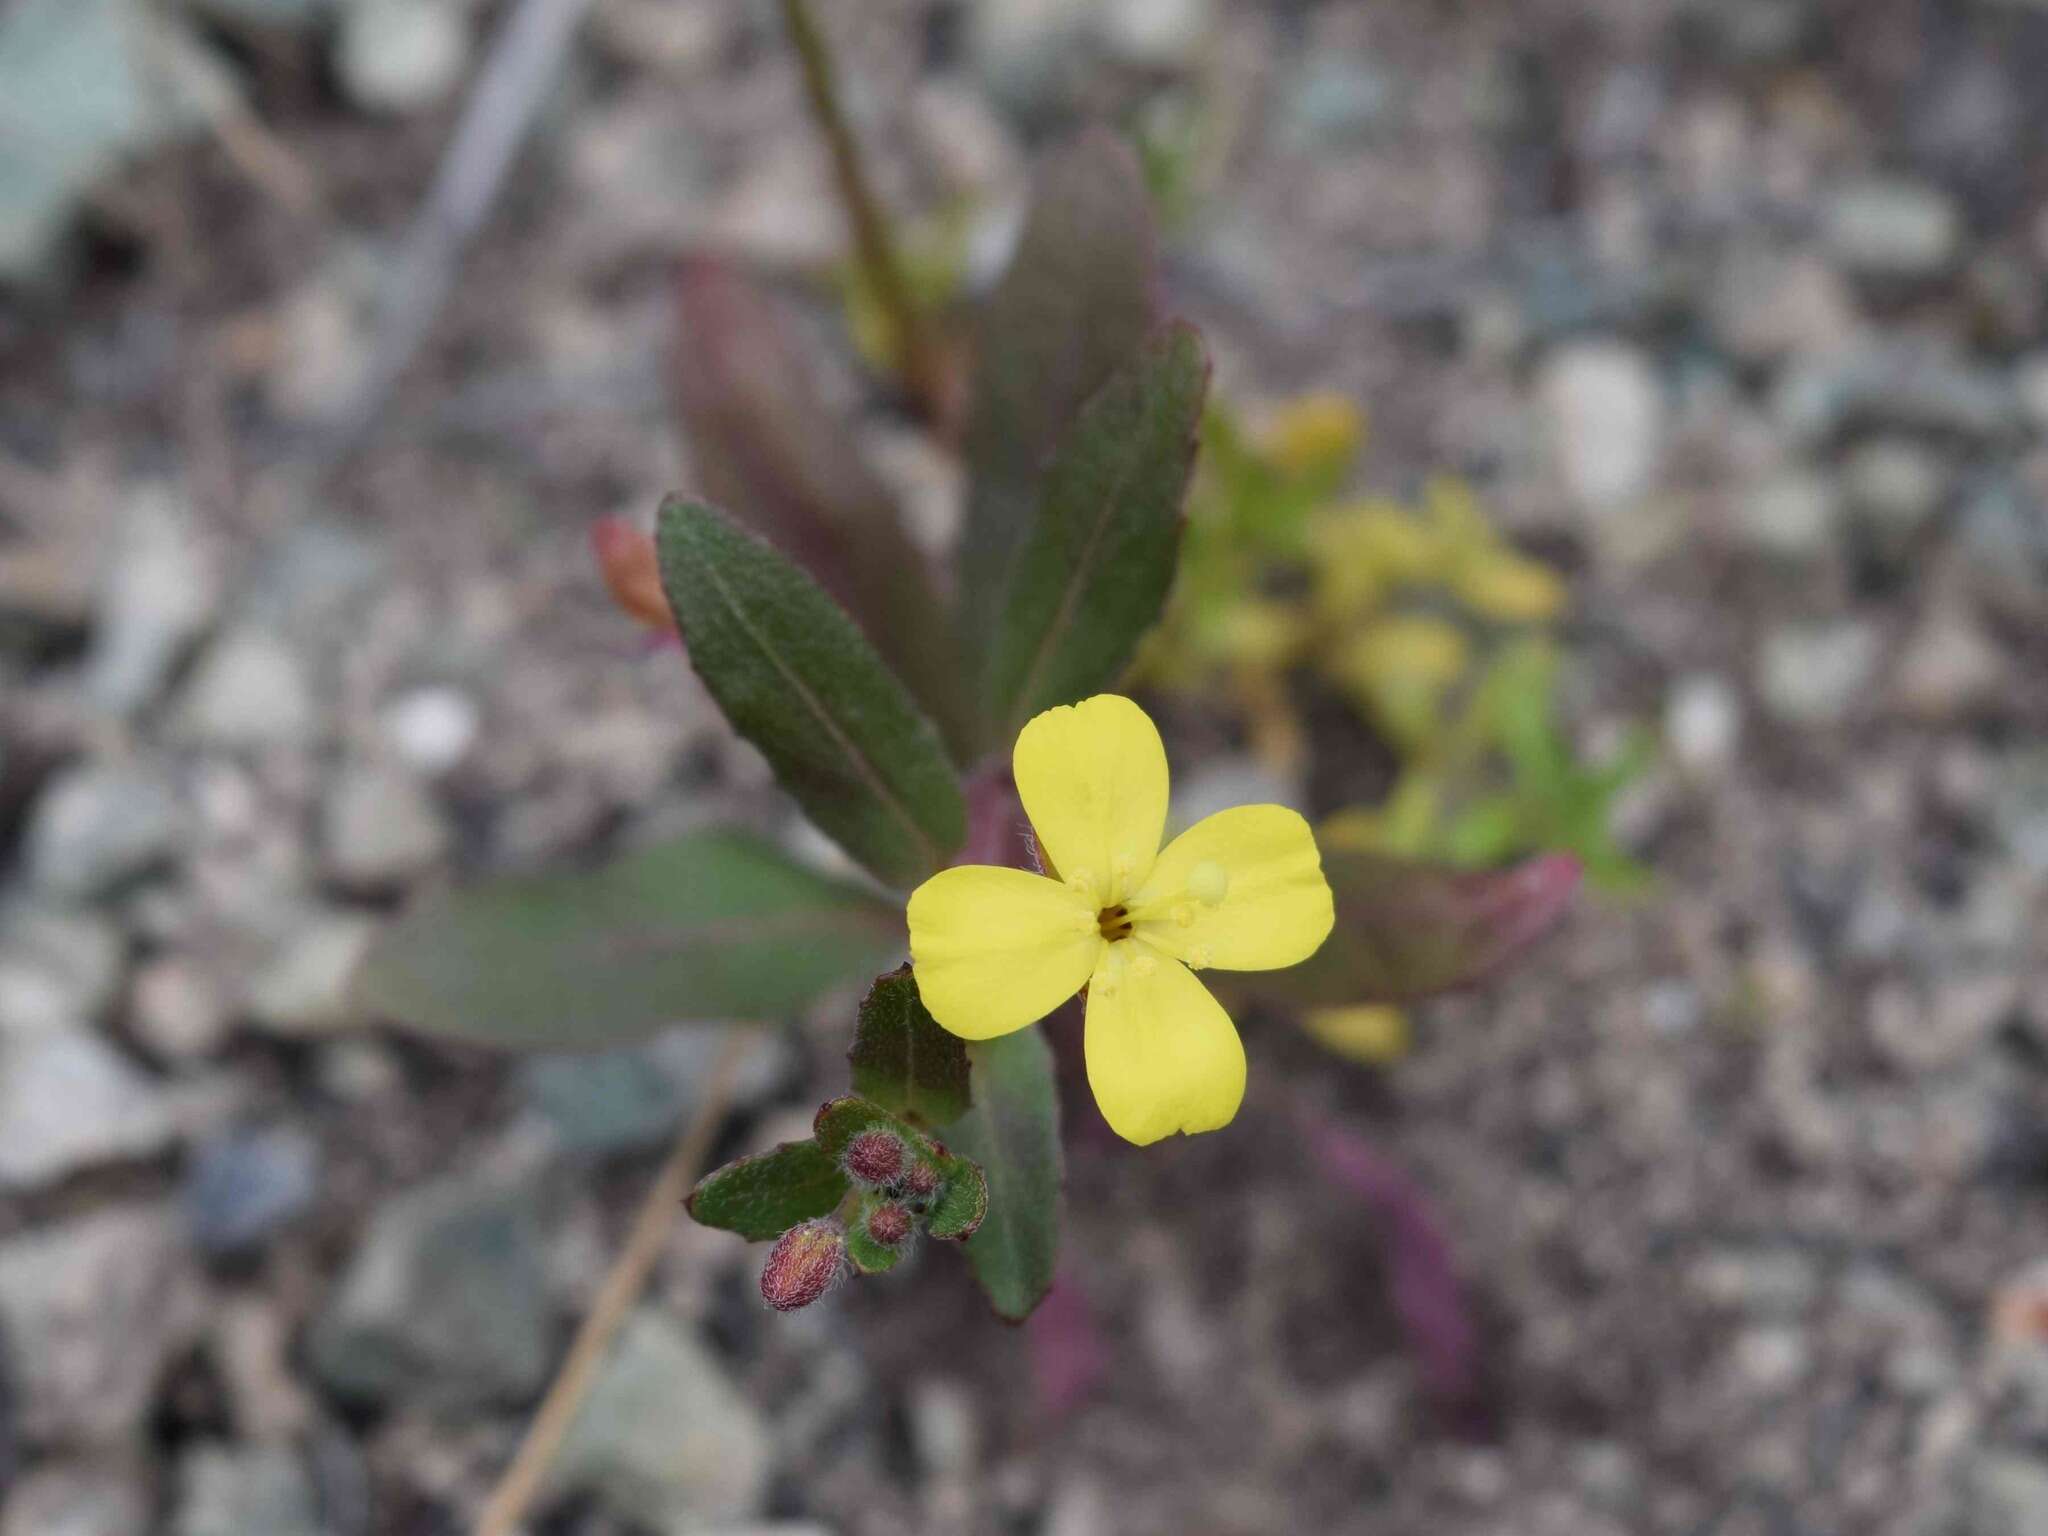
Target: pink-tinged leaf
(766, 444)
(632, 572)
(1407, 931)
(1422, 1278)
(1069, 1357)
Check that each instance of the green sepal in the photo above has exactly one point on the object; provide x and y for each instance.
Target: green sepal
(867, 1256)
(763, 1196)
(903, 1060)
(839, 1120)
(962, 1203)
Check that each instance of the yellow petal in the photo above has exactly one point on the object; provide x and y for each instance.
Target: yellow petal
(1163, 1056)
(1501, 584)
(1092, 777)
(1315, 432)
(1242, 890)
(996, 949)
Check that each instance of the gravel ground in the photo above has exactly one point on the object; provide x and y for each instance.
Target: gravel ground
(1731, 310)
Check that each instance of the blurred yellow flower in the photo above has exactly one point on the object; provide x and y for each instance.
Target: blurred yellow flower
(995, 950)
(1374, 1033)
(1315, 432)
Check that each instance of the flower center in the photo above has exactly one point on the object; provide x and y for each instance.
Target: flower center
(1114, 922)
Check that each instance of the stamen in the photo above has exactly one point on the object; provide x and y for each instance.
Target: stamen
(1144, 965)
(1198, 956)
(1183, 915)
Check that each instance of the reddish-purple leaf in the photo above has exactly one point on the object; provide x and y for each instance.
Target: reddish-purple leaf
(1407, 931)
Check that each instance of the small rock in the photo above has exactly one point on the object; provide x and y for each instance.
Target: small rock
(313, 584)
(156, 594)
(244, 1491)
(1774, 1282)
(1026, 51)
(2019, 809)
(2007, 1494)
(59, 968)
(1771, 1360)
(1336, 98)
(78, 1499)
(430, 730)
(944, 1427)
(1905, 386)
(1792, 516)
(446, 1300)
(243, 1187)
(1768, 304)
(91, 1312)
(304, 989)
(177, 1011)
(401, 55)
(69, 1101)
(1948, 668)
(1606, 415)
(1817, 674)
(1892, 229)
(97, 827)
(2030, 382)
(2005, 540)
(600, 1103)
(1703, 722)
(665, 1439)
(250, 691)
(379, 827)
(1158, 34)
(1895, 486)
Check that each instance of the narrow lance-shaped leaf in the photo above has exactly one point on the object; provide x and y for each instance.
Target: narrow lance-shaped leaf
(712, 926)
(767, 443)
(1095, 569)
(1074, 306)
(1013, 1133)
(763, 1196)
(903, 1060)
(796, 678)
(1407, 931)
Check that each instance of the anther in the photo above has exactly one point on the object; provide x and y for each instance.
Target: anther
(1144, 965)
(1197, 956)
(1183, 915)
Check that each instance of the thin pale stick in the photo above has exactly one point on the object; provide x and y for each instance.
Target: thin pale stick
(628, 1277)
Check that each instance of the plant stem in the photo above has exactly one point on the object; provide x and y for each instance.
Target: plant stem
(516, 1490)
(916, 355)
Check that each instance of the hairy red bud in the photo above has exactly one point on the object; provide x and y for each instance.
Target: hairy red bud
(888, 1224)
(922, 1180)
(804, 1264)
(875, 1157)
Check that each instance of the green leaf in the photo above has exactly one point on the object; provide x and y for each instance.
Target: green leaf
(1013, 1133)
(795, 677)
(839, 1120)
(765, 441)
(715, 925)
(1074, 306)
(903, 1060)
(1094, 572)
(762, 1197)
(963, 1202)
(1407, 931)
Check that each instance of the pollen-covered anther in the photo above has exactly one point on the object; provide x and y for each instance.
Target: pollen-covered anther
(1144, 965)
(874, 1157)
(1183, 915)
(1198, 956)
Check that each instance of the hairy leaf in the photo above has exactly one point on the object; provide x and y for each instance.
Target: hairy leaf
(766, 443)
(963, 1203)
(1094, 571)
(795, 677)
(1074, 306)
(1407, 931)
(714, 925)
(1013, 1133)
(762, 1197)
(903, 1060)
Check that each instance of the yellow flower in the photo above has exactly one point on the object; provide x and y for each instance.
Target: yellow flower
(1316, 432)
(997, 949)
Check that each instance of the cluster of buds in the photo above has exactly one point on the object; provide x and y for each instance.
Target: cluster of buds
(899, 1183)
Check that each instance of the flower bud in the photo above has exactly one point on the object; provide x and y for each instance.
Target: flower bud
(875, 1157)
(804, 1264)
(922, 1180)
(889, 1224)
